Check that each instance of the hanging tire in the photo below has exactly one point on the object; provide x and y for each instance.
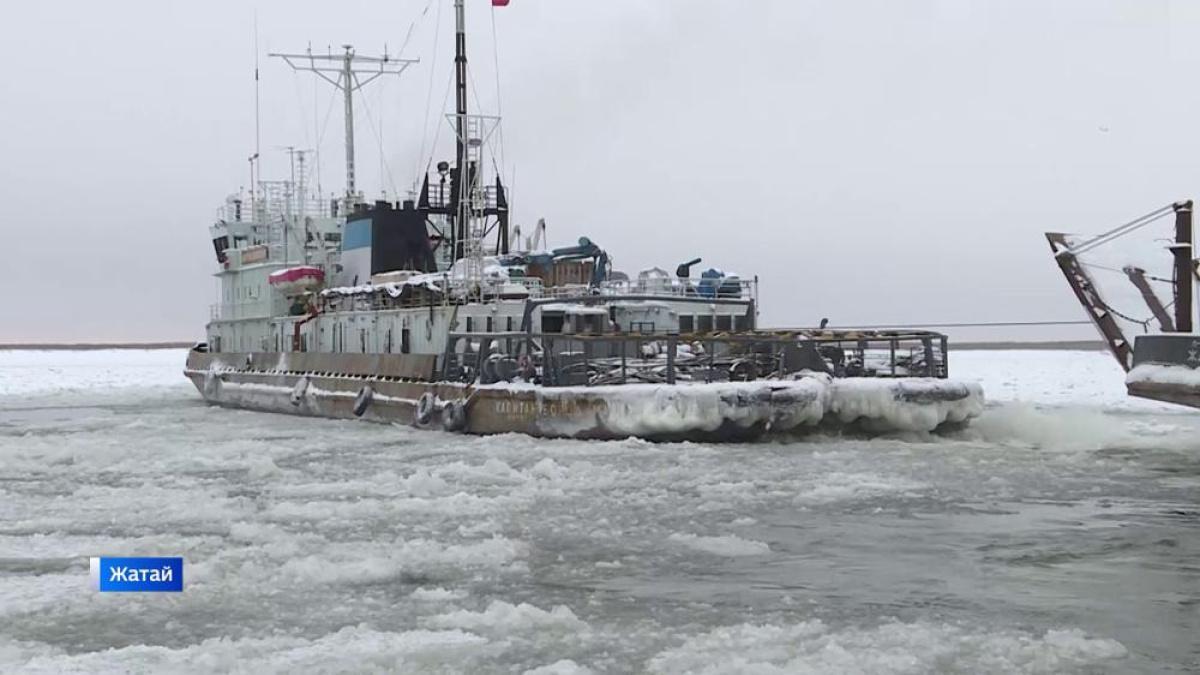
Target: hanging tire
(454, 416)
(299, 391)
(363, 401)
(742, 370)
(212, 385)
(425, 407)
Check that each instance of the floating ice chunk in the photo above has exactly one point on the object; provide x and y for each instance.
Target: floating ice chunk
(728, 546)
(437, 595)
(423, 484)
(564, 667)
(549, 470)
(348, 651)
(22, 595)
(357, 564)
(812, 647)
(261, 467)
(502, 617)
(838, 487)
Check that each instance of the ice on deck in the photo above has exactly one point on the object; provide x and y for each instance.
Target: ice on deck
(1156, 374)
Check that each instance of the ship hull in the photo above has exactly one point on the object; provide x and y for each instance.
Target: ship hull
(329, 386)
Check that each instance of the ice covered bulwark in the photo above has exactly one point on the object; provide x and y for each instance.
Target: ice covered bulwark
(751, 408)
(904, 405)
(653, 410)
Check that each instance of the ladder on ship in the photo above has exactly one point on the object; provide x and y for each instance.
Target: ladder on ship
(477, 129)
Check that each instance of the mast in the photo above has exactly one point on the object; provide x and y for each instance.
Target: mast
(472, 201)
(257, 130)
(348, 80)
(348, 93)
(460, 124)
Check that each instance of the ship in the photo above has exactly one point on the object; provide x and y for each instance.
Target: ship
(435, 311)
(1137, 287)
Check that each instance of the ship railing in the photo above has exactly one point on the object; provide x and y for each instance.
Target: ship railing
(457, 290)
(256, 308)
(667, 288)
(565, 291)
(262, 211)
(744, 289)
(439, 196)
(628, 358)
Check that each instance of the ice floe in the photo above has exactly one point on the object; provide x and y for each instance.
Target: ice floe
(899, 648)
(728, 546)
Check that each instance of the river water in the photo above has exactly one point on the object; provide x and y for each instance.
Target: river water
(1059, 534)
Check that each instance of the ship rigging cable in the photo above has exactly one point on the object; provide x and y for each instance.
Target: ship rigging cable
(1121, 230)
(378, 133)
(1117, 271)
(1144, 323)
(437, 130)
(499, 126)
(321, 133)
(1110, 236)
(429, 96)
(496, 68)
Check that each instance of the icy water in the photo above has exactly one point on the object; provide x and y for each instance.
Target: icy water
(1060, 534)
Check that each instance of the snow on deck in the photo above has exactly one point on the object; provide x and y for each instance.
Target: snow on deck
(1152, 373)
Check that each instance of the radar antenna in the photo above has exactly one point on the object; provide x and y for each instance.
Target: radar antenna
(342, 72)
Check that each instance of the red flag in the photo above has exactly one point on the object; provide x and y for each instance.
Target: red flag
(499, 3)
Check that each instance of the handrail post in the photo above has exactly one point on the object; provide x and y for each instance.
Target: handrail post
(624, 348)
(587, 360)
(671, 347)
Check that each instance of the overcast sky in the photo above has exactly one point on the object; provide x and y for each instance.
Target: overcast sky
(872, 162)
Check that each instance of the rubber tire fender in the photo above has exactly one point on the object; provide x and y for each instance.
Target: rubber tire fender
(299, 391)
(363, 400)
(212, 385)
(742, 370)
(425, 407)
(454, 416)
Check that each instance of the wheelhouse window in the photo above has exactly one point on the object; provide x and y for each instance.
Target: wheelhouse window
(552, 323)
